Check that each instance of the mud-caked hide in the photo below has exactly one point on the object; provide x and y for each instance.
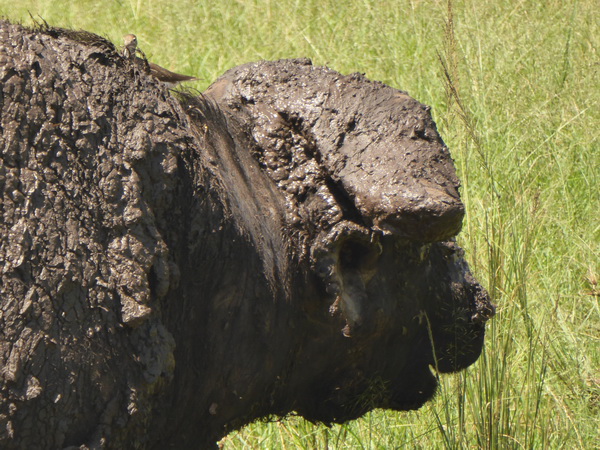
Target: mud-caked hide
(174, 266)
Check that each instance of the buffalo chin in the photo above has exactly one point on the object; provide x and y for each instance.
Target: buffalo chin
(336, 404)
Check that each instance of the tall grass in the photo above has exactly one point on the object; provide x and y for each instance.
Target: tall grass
(515, 90)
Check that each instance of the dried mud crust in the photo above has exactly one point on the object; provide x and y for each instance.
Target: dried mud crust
(87, 169)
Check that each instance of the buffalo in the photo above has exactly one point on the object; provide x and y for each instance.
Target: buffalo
(175, 265)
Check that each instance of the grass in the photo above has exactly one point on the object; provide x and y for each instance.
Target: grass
(515, 90)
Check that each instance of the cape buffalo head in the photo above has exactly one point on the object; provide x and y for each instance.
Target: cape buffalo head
(349, 198)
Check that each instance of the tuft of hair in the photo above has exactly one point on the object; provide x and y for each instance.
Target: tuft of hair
(82, 36)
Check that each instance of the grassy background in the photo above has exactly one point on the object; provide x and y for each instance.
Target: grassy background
(515, 90)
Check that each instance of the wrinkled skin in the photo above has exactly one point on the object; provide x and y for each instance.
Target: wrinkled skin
(176, 267)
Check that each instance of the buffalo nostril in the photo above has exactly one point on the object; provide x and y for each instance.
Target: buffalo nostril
(484, 308)
(485, 314)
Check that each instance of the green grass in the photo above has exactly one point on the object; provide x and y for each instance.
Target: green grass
(515, 90)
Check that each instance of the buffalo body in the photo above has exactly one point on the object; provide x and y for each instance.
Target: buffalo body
(173, 267)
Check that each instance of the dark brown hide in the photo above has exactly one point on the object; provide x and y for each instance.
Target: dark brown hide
(175, 266)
